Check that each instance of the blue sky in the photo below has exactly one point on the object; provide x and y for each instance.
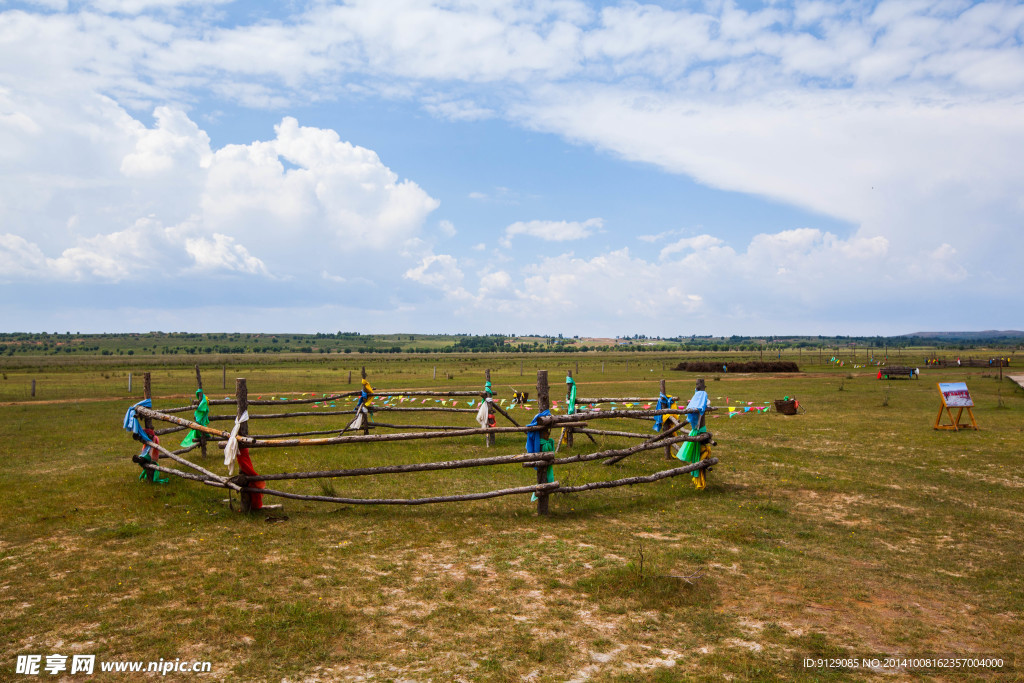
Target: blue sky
(553, 166)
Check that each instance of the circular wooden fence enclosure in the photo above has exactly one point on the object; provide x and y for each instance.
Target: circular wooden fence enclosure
(413, 406)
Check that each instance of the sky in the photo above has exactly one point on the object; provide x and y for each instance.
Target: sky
(545, 166)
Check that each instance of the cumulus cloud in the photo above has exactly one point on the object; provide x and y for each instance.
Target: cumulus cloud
(221, 253)
(331, 190)
(437, 270)
(249, 209)
(553, 231)
(173, 144)
(19, 258)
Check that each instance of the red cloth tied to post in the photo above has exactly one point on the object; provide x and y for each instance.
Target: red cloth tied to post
(245, 467)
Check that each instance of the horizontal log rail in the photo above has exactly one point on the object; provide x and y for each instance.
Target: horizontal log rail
(629, 481)
(414, 467)
(612, 432)
(645, 446)
(169, 430)
(535, 488)
(628, 399)
(369, 425)
(250, 442)
(330, 397)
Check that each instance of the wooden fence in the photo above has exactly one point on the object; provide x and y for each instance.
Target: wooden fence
(570, 424)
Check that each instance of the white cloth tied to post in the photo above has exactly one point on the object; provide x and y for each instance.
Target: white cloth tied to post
(362, 414)
(481, 415)
(231, 449)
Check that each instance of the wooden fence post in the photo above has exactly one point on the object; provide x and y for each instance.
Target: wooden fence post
(487, 378)
(33, 388)
(224, 376)
(366, 423)
(568, 407)
(242, 400)
(664, 426)
(700, 387)
(129, 384)
(543, 403)
(202, 435)
(147, 392)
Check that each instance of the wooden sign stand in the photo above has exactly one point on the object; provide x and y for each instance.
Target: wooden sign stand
(955, 395)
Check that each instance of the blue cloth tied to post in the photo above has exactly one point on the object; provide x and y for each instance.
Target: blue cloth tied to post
(533, 438)
(699, 402)
(533, 445)
(664, 403)
(132, 424)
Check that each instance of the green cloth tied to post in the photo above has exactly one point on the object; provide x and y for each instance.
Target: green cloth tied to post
(149, 475)
(202, 415)
(546, 446)
(487, 388)
(690, 452)
(571, 396)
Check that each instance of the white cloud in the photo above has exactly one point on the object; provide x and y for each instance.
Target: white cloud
(914, 173)
(332, 190)
(101, 197)
(698, 243)
(553, 231)
(903, 119)
(440, 270)
(19, 258)
(458, 110)
(221, 253)
(175, 143)
(139, 6)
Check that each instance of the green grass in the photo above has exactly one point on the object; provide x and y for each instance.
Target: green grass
(852, 529)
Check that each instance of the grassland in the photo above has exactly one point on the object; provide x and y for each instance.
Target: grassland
(851, 530)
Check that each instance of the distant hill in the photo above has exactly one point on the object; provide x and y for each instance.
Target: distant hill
(968, 336)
